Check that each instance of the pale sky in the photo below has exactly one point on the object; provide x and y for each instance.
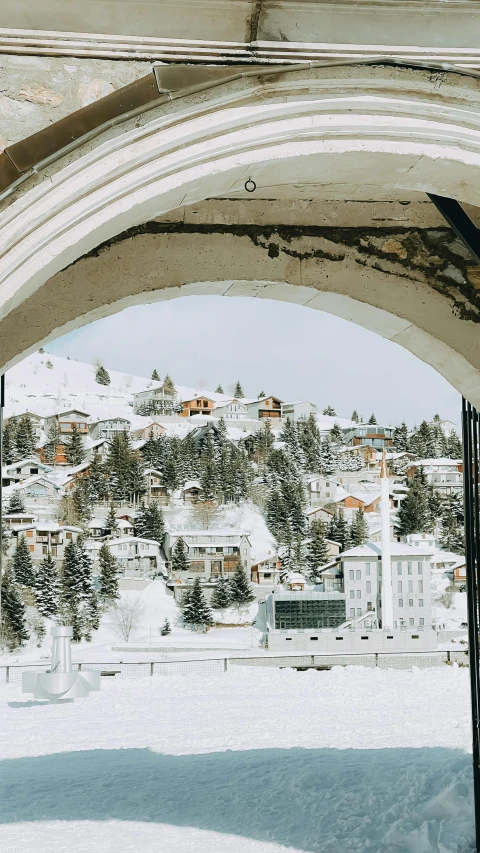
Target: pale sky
(287, 350)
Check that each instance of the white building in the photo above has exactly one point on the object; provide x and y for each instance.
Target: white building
(108, 428)
(361, 568)
(444, 474)
(157, 400)
(135, 554)
(45, 537)
(299, 410)
(211, 554)
(235, 410)
(16, 472)
(323, 489)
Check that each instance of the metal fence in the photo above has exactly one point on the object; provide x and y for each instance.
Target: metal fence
(214, 666)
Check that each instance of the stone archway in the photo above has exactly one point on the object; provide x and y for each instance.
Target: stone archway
(347, 130)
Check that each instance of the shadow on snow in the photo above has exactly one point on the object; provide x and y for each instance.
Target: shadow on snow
(312, 800)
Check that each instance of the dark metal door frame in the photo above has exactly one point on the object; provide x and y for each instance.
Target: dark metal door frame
(469, 234)
(471, 452)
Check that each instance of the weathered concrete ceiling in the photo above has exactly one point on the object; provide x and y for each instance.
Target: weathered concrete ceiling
(244, 30)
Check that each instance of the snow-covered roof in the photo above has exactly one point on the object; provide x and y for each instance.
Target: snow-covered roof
(443, 460)
(36, 478)
(295, 577)
(50, 526)
(123, 540)
(29, 460)
(397, 549)
(191, 484)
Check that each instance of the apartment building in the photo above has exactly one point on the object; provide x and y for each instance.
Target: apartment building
(445, 475)
(211, 553)
(45, 537)
(361, 568)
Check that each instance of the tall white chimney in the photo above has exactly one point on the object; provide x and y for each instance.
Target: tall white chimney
(387, 590)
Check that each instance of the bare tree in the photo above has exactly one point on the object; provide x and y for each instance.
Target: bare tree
(126, 617)
(206, 514)
(447, 598)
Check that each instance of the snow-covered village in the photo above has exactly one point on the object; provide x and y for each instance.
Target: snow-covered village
(194, 535)
(240, 426)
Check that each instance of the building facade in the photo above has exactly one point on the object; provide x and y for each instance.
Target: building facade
(361, 568)
(298, 411)
(211, 553)
(266, 407)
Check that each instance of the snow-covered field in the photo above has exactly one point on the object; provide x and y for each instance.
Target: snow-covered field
(251, 761)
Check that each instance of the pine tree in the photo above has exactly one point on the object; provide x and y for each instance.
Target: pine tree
(219, 389)
(328, 458)
(155, 375)
(336, 434)
(96, 481)
(25, 439)
(355, 417)
(16, 503)
(238, 392)
(261, 395)
(339, 530)
(263, 441)
(454, 447)
(22, 566)
(195, 610)
(81, 505)
(289, 436)
(108, 574)
(102, 376)
(359, 529)
(13, 628)
(149, 450)
(49, 364)
(5, 536)
(317, 553)
(422, 441)
(241, 592)
(165, 629)
(74, 450)
(9, 442)
(47, 587)
(180, 561)
(208, 469)
(286, 520)
(112, 521)
(50, 448)
(330, 411)
(221, 598)
(125, 469)
(78, 599)
(372, 419)
(400, 438)
(149, 523)
(452, 530)
(168, 385)
(414, 515)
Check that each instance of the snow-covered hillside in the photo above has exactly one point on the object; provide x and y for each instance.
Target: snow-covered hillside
(34, 386)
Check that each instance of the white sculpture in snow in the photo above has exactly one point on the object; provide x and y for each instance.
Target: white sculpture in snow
(61, 683)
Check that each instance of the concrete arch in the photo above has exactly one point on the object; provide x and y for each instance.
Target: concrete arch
(345, 129)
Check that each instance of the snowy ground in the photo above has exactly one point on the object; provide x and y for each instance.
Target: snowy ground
(370, 761)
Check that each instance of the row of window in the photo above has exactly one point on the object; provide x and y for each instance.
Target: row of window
(358, 612)
(356, 574)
